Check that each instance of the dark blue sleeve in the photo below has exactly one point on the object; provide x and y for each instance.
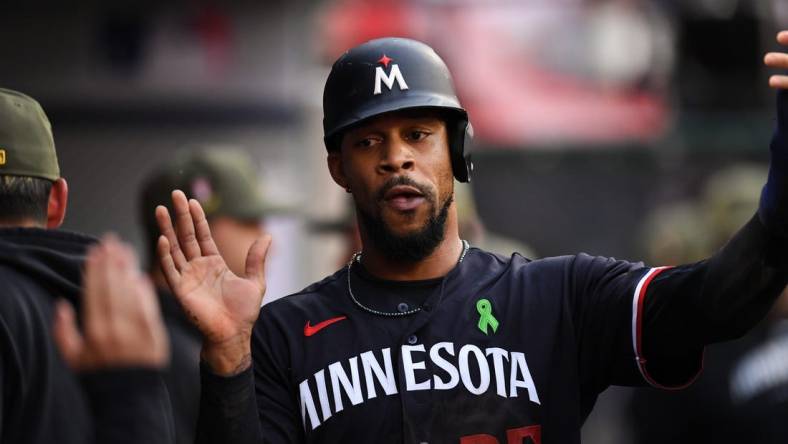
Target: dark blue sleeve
(721, 298)
(773, 209)
(256, 406)
(638, 325)
(602, 291)
(259, 405)
(228, 411)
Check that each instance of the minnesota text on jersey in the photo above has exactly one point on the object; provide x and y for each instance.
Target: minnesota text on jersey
(507, 375)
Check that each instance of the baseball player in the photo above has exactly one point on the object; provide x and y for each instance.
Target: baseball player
(423, 338)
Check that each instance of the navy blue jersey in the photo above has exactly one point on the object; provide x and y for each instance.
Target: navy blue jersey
(503, 350)
(562, 334)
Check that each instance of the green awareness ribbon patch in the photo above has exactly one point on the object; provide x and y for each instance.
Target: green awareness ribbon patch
(486, 319)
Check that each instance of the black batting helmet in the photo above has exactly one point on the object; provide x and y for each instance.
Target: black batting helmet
(393, 74)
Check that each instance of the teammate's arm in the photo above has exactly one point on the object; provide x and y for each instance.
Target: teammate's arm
(121, 349)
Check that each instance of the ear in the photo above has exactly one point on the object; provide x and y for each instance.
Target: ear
(58, 200)
(334, 160)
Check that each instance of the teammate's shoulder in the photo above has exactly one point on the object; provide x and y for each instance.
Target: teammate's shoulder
(16, 284)
(9, 273)
(23, 305)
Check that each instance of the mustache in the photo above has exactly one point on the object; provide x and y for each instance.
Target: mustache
(425, 190)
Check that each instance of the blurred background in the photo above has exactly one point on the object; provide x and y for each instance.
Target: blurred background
(613, 127)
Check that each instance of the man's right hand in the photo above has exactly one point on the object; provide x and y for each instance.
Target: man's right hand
(222, 305)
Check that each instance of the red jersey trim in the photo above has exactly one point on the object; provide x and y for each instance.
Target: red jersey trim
(637, 332)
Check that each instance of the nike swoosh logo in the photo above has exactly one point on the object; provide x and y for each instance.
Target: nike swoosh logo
(309, 330)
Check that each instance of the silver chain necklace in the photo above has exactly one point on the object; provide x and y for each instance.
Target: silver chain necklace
(357, 258)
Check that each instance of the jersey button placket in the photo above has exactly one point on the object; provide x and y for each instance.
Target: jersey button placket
(413, 339)
(403, 307)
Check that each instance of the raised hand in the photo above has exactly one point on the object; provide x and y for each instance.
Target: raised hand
(779, 60)
(121, 318)
(223, 306)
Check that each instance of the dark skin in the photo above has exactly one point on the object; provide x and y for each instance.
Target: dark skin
(408, 144)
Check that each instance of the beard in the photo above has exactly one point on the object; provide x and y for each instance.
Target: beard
(411, 247)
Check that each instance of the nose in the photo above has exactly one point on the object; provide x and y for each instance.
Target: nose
(396, 156)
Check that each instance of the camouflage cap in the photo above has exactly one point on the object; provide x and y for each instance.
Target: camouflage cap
(221, 179)
(26, 144)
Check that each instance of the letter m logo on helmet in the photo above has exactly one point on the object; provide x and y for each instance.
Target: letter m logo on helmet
(354, 92)
(388, 79)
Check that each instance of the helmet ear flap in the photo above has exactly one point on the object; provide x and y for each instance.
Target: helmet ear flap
(333, 142)
(461, 136)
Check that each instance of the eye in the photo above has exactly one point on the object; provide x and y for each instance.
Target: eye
(417, 135)
(365, 142)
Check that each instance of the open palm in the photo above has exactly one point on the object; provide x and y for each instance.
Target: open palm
(222, 305)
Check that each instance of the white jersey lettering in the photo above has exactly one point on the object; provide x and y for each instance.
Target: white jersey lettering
(457, 368)
(308, 404)
(499, 355)
(322, 394)
(340, 382)
(385, 379)
(519, 366)
(437, 359)
(410, 367)
(465, 371)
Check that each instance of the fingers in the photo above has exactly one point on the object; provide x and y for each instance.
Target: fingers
(167, 264)
(133, 330)
(151, 312)
(124, 269)
(122, 321)
(122, 273)
(184, 226)
(776, 60)
(782, 37)
(166, 228)
(202, 229)
(778, 82)
(255, 260)
(93, 304)
(66, 335)
(147, 298)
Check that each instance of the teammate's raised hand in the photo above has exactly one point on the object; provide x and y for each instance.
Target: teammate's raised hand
(779, 60)
(222, 305)
(121, 320)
